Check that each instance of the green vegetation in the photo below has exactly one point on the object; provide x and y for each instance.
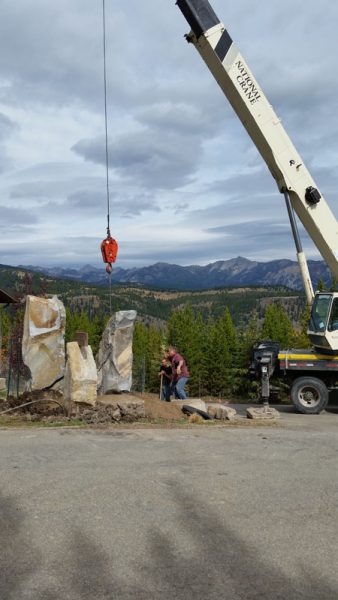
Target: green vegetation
(213, 329)
(151, 305)
(217, 352)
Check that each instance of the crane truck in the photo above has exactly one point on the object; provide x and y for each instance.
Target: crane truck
(312, 373)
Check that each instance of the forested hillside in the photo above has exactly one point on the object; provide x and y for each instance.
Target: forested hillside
(151, 304)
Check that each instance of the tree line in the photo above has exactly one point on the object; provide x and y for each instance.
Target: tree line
(217, 351)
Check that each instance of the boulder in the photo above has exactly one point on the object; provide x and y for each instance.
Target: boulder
(193, 402)
(115, 357)
(43, 346)
(80, 384)
(221, 412)
(264, 412)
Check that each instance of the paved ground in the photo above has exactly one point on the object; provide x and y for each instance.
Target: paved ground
(235, 514)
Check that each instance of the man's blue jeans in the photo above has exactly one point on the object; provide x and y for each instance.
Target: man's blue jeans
(180, 388)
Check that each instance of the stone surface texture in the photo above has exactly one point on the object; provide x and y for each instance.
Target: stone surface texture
(221, 412)
(265, 412)
(115, 357)
(43, 346)
(80, 384)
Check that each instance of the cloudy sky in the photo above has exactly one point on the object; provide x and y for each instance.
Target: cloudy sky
(187, 185)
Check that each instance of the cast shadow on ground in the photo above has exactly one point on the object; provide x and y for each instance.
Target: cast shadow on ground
(223, 566)
(218, 565)
(19, 560)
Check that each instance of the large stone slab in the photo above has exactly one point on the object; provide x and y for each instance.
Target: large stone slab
(43, 346)
(115, 357)
(80, 384)
(265, 412)
(221, 412)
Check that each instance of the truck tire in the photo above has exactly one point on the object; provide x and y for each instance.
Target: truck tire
(191, 410)
(309, 395)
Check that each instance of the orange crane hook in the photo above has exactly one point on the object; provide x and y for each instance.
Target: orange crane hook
(109, 249)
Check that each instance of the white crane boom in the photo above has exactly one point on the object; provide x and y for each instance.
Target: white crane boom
(233, 75)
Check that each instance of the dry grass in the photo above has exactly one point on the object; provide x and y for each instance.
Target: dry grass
(195, 418)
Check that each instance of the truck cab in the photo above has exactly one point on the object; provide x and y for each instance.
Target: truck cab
(323, 326)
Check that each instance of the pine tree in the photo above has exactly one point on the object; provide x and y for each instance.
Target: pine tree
(301, 338)
(277, 325)
(154, 356)
(140, 346)
(207, 361)
(333, 286)
(321, 286)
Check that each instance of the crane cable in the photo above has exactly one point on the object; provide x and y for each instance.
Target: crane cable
(106, 112)
(109, 246)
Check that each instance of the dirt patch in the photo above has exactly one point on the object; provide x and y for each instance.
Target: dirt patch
(156, 413)
(46, 403)
(158, 409)
(47, 411)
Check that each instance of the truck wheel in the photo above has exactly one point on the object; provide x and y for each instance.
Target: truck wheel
(309, 395)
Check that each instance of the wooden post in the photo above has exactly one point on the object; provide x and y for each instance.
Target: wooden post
(81, 337)
(161, 385)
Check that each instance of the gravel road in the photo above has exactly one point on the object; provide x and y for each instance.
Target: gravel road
(204, 513)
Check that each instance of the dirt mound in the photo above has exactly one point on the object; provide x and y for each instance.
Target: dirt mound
(45, 410)
(158, 409)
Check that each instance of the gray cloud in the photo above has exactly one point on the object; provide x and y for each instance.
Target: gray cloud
(128, 206)
(7, 129)
(7, 126)
(175, 143)
(15, 220)
(148, 158)
(164, 149)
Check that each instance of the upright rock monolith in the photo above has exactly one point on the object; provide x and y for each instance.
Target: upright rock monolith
(43, 343)
(115, 357)
(80, 385)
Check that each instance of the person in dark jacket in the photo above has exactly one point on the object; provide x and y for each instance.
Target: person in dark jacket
(166, 373)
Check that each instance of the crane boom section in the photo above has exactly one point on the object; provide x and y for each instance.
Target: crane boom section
(233, 75)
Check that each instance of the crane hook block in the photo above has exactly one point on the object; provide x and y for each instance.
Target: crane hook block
(109, 250)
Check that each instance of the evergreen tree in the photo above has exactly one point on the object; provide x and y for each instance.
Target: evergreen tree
(301, 338)
(277, 325)
(154, 356)
(140, 348)
(249, 335)
(333, 286)
(206, 368)
(321, 286)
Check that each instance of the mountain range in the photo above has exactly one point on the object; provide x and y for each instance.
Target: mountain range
(227, 273)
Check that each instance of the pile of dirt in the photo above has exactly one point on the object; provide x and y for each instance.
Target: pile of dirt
(40, 403)
(158, 409)
(113, 408)
(45, 409)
